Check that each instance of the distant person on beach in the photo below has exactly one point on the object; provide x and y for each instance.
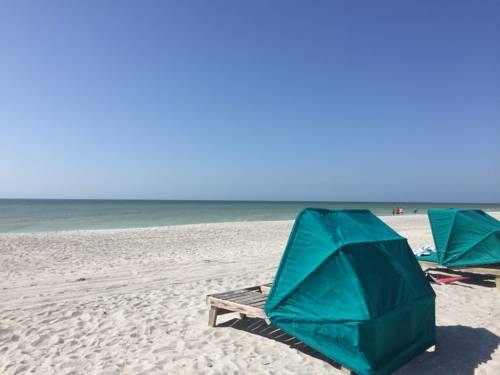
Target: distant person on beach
(415, 211)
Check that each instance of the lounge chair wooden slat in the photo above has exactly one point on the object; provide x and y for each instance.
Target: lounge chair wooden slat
(252, 303)
(257, 305)
(250, 298)
(233, 293)
(230, 297)
(260, 305)
(246, 310)
(237, 292)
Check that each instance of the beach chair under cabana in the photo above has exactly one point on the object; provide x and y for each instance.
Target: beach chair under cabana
(465, 240)
(349, 287)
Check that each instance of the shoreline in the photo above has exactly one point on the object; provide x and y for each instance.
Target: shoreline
(495, 214)
(32, 216)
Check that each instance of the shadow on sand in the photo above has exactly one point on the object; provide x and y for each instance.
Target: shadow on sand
(472, 278)
(460, 349)
(261, 328)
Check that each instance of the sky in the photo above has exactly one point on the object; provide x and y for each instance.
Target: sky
(252, 100)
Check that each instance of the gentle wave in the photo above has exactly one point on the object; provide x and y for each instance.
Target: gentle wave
(38, 215)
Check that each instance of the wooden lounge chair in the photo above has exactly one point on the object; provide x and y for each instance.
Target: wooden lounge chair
(487, 269)
(248, 302)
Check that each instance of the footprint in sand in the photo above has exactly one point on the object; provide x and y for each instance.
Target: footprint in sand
(85, 317)
(69, 314)
(217, 334)
(55, 340)
(40, 339)
(162, 349)
(5, 332)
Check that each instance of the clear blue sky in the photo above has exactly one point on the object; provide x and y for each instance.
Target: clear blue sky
(281, 100)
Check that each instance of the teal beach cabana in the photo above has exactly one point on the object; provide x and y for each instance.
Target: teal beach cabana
(463, 238)
(350, 287)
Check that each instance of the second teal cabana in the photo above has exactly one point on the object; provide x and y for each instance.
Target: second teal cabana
(463, 238)
(350, 287)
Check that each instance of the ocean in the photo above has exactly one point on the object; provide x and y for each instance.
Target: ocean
(39, 215)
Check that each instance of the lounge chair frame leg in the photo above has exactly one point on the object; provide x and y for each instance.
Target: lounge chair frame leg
(212, 316)
(497, 280)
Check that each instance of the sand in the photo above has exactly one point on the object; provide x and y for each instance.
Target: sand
(132, 301)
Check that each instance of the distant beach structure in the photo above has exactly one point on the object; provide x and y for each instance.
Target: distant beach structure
(398, 211)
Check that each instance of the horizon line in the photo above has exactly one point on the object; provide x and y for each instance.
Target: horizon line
(241, 200)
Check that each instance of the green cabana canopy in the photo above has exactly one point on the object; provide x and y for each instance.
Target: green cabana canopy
(350, 287)
(464, 237)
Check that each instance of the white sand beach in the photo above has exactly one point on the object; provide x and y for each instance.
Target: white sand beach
(132, 301)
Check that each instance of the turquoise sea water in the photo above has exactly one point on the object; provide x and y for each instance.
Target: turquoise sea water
(27, 215)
